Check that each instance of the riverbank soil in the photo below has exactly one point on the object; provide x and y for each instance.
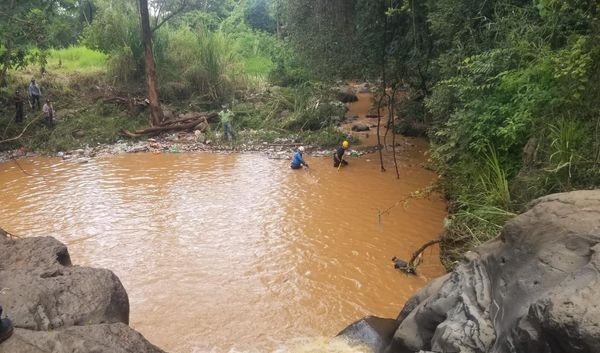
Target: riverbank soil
(236, 251)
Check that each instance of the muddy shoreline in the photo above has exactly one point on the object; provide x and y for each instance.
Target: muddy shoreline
(185, 142)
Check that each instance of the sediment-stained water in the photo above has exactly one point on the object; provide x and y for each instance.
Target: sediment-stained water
(223, 252)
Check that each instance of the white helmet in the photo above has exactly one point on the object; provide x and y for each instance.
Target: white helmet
(301, 148)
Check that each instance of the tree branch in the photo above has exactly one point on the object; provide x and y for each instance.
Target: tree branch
(172, 14)
(22, 132)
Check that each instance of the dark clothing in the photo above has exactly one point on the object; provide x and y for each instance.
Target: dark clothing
(296, 166)
(18, 108)
(338, 157)
(6, 328)
(49, 122)
(48, 111)
(337, 164)
(35, 98)
(228, 131)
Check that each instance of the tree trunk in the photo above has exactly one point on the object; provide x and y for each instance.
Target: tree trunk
(156, 113)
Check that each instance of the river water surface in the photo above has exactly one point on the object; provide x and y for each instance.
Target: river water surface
(222, 252)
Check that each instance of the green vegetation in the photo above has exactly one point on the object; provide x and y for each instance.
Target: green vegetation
(207, 53)
(76, 58)
(506, 90)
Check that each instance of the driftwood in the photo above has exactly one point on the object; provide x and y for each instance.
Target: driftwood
(410, 267)
(186, 122)
(130, 102)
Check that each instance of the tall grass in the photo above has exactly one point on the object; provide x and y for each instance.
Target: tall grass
(204, 62)
(494, 181)
(123, 67)
(77, 58)
(482, 204)
(218, 63)
(258, 66)
(566, 137)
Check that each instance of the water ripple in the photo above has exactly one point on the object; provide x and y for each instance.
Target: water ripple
(231, 250)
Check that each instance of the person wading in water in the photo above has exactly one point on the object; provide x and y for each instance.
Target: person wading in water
(297, 161)
(338, 156)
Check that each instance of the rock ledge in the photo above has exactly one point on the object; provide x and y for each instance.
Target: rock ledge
(57, 307)
(534, 289)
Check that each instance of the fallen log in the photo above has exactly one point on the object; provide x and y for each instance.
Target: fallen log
(185, 125)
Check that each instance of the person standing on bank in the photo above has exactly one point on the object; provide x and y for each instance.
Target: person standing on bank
(226, 116)
(48, 111)
(34, 93)
(297, 161)
(18, 99)
(338, 156)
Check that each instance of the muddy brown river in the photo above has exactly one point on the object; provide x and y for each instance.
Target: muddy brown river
(235, 252)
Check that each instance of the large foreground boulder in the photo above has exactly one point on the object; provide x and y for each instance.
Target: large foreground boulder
(534, 289)
(106, 338)
(56, 305)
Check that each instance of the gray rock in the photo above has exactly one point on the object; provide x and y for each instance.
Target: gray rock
(105, 338)
(533, 289)
(58, 307)
(42, 291)
(364, 88)
(360, 127)
(78, 133)
(371, 331)
(347, 97)
(137, 149)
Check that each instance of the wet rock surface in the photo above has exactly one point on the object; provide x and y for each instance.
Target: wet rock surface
(113, 338)
(531, 290)
(374, 332)
(58, 307)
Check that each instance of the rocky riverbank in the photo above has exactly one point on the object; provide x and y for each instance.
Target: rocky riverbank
(531, 290)
(280, 148)
(58, 307)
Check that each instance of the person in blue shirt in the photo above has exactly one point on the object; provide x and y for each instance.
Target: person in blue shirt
(297, 161)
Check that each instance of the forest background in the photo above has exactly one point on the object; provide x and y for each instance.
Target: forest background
(505, 90)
